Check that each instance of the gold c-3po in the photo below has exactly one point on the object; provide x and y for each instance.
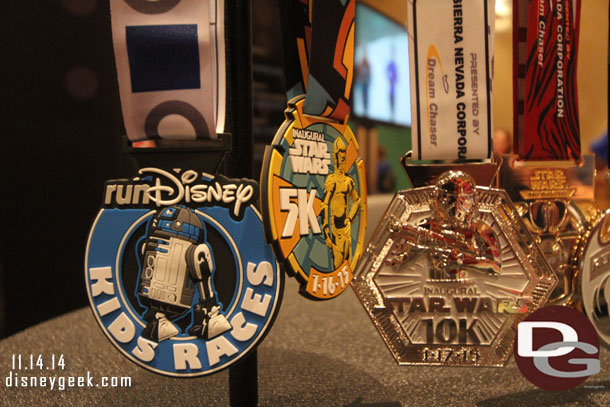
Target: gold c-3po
(337, 213)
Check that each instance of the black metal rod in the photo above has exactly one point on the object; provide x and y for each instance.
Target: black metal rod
(243, 382)
(239, 86)
(243, 375)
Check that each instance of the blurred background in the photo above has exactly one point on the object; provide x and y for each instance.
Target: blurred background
(62, 126)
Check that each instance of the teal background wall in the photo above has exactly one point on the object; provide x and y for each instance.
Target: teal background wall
(397, 141)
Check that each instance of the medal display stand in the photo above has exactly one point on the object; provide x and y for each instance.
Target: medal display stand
(302, 363)
(243, 375)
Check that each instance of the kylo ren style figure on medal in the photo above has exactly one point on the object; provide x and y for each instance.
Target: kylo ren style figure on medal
(457, 242)
(175, 264)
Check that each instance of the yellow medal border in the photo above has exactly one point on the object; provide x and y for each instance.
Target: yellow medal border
(272, 164)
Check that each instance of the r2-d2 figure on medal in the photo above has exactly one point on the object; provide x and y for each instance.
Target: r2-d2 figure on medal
(176, 267)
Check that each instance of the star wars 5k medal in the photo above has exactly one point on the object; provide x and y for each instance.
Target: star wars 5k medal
(315, 201)
(174, 277)
(594, 279)
(451, 269)
(178, 273)
(551, 184)
(313, 182)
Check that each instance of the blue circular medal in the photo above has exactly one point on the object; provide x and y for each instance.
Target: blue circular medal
(176, 276)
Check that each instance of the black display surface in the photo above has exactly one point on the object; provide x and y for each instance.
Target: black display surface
(317, 354)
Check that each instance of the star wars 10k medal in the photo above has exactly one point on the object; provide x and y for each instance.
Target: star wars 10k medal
(175, 278)
(313, 182)
(449, 273)
(549, 180)
(451, 269)
(594, 279)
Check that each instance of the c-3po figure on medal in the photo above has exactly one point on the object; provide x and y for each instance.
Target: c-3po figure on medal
(337, 214)
(458, 244)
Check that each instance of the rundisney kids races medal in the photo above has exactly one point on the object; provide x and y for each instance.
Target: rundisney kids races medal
(549, 180)
(313, 183)
(451, 269)
(178, 273)
(176, 278)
